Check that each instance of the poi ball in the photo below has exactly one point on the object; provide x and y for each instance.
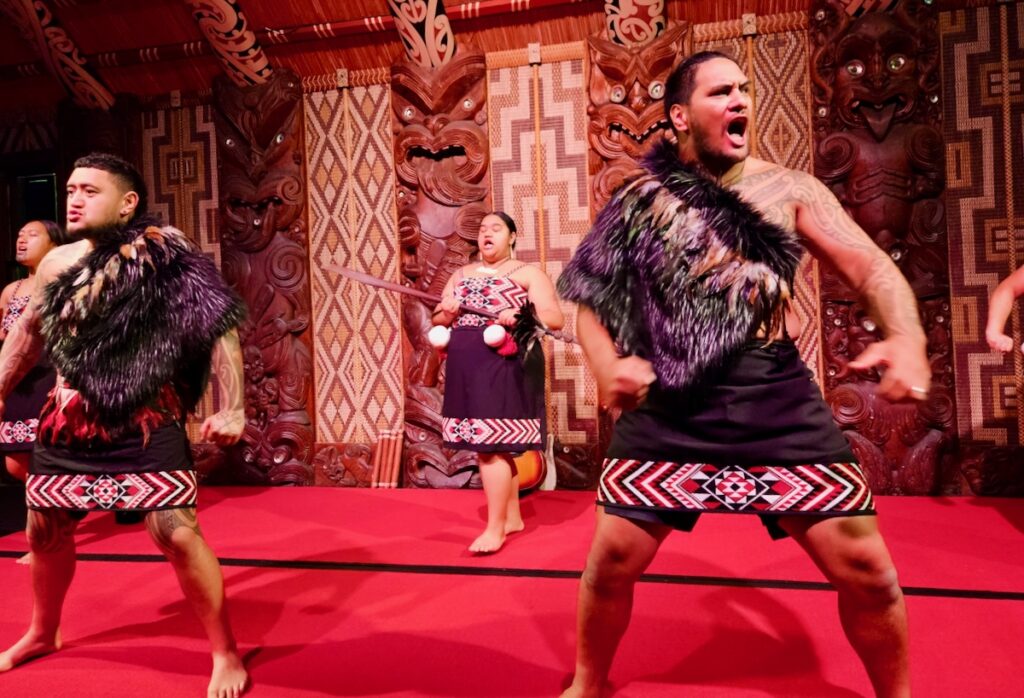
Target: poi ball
(494, 335)
(439, 336)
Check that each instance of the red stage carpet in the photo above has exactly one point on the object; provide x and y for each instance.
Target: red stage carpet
(371, 593)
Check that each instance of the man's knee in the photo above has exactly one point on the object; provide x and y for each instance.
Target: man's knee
(869, 577)
(49, 531)
(174, 531)
(613, 568)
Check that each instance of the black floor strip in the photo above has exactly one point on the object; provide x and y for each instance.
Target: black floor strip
(690, 580)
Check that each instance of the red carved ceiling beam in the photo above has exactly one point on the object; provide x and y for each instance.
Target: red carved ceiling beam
(425, 31)
(227, 32)
(320, 31)
(61, 58)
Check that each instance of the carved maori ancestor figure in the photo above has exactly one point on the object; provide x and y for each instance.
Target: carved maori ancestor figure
(265, 253)
(441, 161)
(880, 151)
(627, 89)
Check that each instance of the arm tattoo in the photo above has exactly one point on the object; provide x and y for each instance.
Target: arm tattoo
(21, 350)
(858, 259)
(227, 366)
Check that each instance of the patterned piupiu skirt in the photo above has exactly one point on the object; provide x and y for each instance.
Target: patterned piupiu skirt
(492, 403)
(78, 467)
(20, 423)
(755, 437)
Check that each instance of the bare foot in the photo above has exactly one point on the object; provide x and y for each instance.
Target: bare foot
(488, 542)
(229, 678)
(575, 691)
(514, 526)
(28, 647)
(25, 559)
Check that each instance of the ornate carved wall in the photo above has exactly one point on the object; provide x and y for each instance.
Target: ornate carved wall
(539, 176)
(441, 162)
(265, 256)
(627, 88)
(179, 164)
(983, 123)
(879, 148)
(359, 391)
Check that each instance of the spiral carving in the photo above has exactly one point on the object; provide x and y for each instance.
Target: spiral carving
(266, 259)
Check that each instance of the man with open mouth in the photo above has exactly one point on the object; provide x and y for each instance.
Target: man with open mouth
(683, 286)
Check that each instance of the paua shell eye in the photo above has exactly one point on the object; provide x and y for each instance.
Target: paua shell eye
(618, 94)
(656, 89)
(855, 68)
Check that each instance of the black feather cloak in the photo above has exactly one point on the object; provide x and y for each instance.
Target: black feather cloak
(681, 271)
(140, 311)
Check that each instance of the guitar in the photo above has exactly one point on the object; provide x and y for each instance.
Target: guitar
(531, 468)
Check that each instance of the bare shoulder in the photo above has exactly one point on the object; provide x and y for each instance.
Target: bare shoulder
(60, 259)
(775, 191)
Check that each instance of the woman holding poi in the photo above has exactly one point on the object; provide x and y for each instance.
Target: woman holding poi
(494, 390)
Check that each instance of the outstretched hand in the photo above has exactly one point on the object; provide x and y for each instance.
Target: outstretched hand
(903, 365)
(223, 428)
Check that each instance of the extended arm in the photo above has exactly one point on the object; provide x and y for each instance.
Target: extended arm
(999, 306)
(226, 426)
(831, 234)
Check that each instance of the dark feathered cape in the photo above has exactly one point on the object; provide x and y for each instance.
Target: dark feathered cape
(142, 310)
(680, 270)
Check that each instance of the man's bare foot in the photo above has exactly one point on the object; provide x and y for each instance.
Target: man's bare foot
(229, 678)
(514, 526)
(575, 691)
(28, 647)
(25, 559)
(488, 542)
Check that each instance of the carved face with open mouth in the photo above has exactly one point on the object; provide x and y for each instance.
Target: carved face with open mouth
(876, 75)
(627, 86)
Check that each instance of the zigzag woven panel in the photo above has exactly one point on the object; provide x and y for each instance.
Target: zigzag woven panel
(357, 329)
(983, 112)
(179, 164)
(703, 487)
(86, 491)
(547, 175)
(783, 132)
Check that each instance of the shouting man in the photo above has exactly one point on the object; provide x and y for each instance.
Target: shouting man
(683, 286)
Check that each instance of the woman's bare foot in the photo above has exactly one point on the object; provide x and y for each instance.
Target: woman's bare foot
(488, 542)
(229, 678)
(28, 647)
(514, 526)
(25, 559)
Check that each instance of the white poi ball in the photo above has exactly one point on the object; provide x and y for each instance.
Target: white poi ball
(439, 336)
(494, 335)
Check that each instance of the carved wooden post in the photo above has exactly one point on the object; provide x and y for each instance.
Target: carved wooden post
(627, 90)
(265, 257)
(441, 160)
(879, 147)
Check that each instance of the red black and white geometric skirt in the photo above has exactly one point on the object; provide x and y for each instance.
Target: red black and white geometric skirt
(754, 438)
(492, 403)
(20, 423)
(130, 474)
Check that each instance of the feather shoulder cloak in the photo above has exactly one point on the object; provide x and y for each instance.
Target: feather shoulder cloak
(142, 310)
(681, 271)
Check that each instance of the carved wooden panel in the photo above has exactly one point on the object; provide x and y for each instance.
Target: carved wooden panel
(265, 257)
(879, 148)
(441, 163)
(627, 90)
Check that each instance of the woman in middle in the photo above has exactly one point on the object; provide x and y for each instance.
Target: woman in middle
(494, 398)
